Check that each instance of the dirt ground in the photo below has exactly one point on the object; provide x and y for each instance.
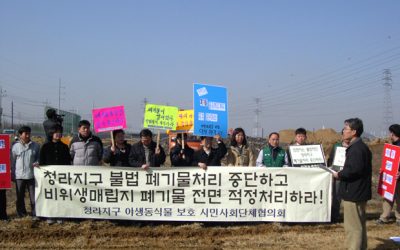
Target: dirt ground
(25, 233)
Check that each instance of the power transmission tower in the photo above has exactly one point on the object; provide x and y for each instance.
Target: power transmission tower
(387, 101)
(257, 111)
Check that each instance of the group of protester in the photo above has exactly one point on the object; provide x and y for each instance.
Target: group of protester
(352, 182)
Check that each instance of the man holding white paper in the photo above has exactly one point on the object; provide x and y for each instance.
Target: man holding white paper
(355, 184)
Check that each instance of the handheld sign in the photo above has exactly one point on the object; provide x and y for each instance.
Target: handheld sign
(185, 121)
(339, 158)
(388, 172)
(210, 110)
(160, 117)
(5, 167)
(308, 156)
(109, 119)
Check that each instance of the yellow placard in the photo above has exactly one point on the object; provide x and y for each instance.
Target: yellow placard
(185, 120)
(159, 116)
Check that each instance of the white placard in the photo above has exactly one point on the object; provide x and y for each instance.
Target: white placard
(307, 155)
(340, 157)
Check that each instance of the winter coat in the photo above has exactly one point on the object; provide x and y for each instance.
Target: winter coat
(119, 157)
(22, 158)
(176, 156)
(355, 178)
(137, 156)
(240, 156)
(86, 151)
(54, 153)
(213, 159)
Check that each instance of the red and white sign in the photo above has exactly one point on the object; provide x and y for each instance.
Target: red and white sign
(109, 119)
(5, 167)
(389, 169)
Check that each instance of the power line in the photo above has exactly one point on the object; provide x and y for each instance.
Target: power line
(320, 82)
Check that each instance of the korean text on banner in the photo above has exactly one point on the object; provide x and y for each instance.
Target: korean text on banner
(388, 172)
(185, 120)
(210, 110)
(184, 194)
(109, 119)
(5, 167)
(161, 117)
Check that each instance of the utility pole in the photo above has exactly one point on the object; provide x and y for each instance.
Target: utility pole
(2, 94)
(92, 117)
(145, 101)
(257, 111)
(387, 100)
(12, 114)
(59, 94)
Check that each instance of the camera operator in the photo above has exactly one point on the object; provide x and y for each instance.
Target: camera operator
(49, 124)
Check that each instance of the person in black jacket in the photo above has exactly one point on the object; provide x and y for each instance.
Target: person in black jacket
(118, 154)
(355, 184)
(52, 120)
(3, 205)
(181, 156)
(145, 153)
(300, 138)
(55, 152)
(209, 156)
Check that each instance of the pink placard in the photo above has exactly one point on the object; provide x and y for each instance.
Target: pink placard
(109, 119)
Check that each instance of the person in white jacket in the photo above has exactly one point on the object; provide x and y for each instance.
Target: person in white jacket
(24, 157)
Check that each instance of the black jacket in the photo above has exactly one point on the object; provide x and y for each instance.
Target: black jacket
(54, 153)
(355, 178)
(48, 125)
(213, 159)
(176, 156)
(137, 156)
(120, 158)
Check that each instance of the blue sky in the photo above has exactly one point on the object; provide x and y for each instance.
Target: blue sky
(311, 63)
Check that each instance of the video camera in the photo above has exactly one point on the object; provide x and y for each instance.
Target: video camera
(59, 118)
(52, 114)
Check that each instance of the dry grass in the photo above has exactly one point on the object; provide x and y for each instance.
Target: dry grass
(24, 233)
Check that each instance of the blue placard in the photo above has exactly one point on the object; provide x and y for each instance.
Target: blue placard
(210, 110)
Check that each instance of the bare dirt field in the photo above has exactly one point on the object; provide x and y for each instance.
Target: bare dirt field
(25, 233)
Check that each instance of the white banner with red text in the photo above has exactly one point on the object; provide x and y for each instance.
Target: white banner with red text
(184, 194)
